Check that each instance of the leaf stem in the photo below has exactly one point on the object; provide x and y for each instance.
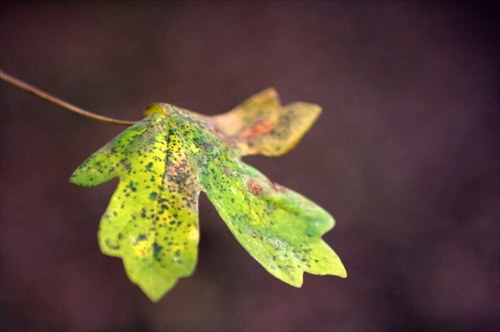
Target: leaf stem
(51, 99)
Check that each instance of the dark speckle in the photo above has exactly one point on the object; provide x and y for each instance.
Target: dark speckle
(157, 249)
(140, 238)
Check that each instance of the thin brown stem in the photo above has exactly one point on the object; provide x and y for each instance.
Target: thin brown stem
(51, 99)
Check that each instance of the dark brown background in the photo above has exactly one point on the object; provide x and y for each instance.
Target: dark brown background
(405, 156)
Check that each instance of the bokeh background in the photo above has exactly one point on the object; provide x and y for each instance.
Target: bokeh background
(405, 156)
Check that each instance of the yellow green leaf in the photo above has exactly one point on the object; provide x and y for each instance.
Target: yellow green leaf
(165, 160)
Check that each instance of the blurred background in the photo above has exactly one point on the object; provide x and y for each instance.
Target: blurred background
(405, 156)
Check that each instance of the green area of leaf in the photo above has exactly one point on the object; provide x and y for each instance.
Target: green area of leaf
(166, 159)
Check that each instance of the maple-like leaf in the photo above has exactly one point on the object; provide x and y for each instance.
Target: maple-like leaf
(166, 159)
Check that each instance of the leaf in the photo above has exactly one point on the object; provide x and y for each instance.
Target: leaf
(166, 159)
(262, 125)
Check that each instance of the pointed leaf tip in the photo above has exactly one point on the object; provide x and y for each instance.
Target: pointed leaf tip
(261, 125)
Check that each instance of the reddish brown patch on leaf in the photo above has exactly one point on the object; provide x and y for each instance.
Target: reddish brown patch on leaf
(228, 171)
(179, 171)
(277, 187)
(254, 187)
(260, 128)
